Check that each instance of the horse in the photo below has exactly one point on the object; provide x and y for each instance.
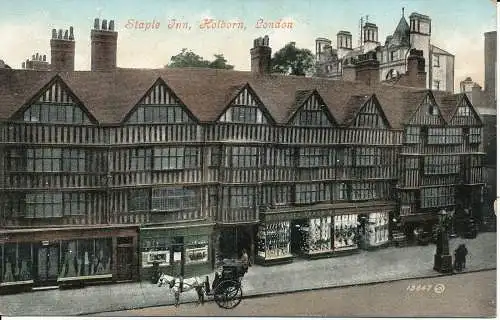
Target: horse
(178, 285)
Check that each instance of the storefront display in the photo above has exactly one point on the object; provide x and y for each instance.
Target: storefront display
(377, 229)
(319, 239)
(274, 240)
(17, 262)
(345, 229)
(80, 258)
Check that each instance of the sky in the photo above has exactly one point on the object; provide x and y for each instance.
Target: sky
(25, 27)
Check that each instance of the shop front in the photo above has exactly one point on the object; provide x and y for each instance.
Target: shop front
(231, 240)
(320, 231)
(176, 250)
(374, 231)
(63, 257)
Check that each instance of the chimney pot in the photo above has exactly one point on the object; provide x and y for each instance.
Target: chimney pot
(111, 25)
(32, 57)
(54, 33)
(96, 23)
(36, 56)
(60, 34)
(44, 58)
(24, 65)
(71, 36)
(66, 35)
(104, 24)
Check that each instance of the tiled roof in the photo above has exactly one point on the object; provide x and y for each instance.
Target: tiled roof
(110, 96)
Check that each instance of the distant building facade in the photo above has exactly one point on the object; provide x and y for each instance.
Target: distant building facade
(392, 55)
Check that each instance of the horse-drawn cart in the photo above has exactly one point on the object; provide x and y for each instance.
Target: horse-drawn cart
(226, 287)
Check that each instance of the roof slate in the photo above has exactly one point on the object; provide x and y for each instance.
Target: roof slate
(110, 96)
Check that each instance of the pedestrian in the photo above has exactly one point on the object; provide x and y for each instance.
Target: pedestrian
(244, 260)
(460, 257)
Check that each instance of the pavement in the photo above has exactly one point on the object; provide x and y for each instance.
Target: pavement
(389, 264)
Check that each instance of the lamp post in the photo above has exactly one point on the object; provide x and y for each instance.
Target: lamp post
(442, 258)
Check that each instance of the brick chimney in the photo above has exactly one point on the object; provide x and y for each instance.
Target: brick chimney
(103, 41)
(37, 62)
(349, 70)
(62, 50)
(261, 56)
(416, 69)
(367, 68)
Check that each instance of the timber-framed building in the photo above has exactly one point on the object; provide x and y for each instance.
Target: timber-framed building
(105, 173)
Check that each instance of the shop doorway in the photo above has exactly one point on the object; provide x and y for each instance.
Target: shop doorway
(297, 236)
(124, 257)
(233, 240)
(47, 265)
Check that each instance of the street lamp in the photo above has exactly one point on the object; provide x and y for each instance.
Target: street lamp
(442, 258)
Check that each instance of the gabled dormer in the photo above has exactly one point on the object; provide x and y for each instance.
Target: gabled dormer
(160, 105)
(55, 103)
(427, 112)
(246, 107)
(370, 115)
(464, 113)
(310, 110)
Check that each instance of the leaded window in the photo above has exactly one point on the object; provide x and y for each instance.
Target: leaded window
(316, 157)
(282, 195)
(55, 113)
(475, 135)
(75, 203)
(138, 200)
(311, 118)
(159, 114)
(412, 134)
(244, 114)
(312, 193)
(174, 198)
(284, 157)
(444, 136)
(175, 158)
(367, 157)
(244, 157)
(464, 111)
(44, 205)
(448, 164)
(435, 197)
(140, 159)
(363, 191)
(239, 197)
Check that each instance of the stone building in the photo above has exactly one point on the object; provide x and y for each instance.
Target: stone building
(392, 54)
(105, 173)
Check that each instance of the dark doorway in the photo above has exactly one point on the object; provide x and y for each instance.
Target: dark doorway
(124, 266)
(47, 265)
(297, 239)
(233, 240)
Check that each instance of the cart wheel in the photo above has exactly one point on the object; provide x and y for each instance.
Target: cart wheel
(228, 294)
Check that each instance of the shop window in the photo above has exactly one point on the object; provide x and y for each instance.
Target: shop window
(85, 258)
(155, 250)
(196, 249)
(17, 262)
(274, 240)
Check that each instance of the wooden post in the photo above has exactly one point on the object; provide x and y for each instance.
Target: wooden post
(115, 257)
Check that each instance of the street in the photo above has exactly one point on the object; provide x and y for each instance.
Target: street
(463, 295)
